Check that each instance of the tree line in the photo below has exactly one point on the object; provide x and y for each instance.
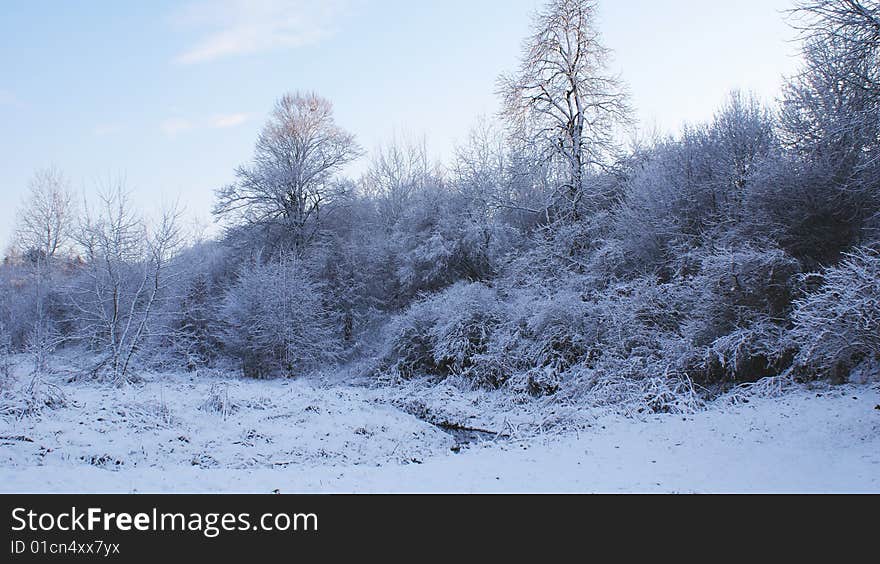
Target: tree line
(547, 258)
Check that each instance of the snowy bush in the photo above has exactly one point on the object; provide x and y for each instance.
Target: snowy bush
(563, 340)
(276, 321)
(636, 356)
(219, 402)
(149, 415)
(740, 314)
(670, 393)
(634, 386)
(468, 313)
(838, 325)
(747, 354)
(449, 247)
(550, 334)
(32, 399)
(407, 344)
(445, 335)
(806, 211)
(746, 281)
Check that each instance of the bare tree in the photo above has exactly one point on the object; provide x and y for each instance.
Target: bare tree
(47, 218)
(830, 120)
(398, 171)
(563, 95)
(125, 275)
(290, 180)
(503, 180)
(831, 109)
(44, 230)
(481, 165)
(853, 27)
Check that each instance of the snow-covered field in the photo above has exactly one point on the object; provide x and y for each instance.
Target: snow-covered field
(207, 433)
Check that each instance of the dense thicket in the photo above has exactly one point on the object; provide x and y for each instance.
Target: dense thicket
(543, 259)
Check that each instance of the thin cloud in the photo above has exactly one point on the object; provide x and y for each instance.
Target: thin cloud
(174, 126)
(241, 27)
(228, 120)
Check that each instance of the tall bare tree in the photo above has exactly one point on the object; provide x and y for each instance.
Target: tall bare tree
(563, 95)
(46, 221)
(290, 180)
(45, 226)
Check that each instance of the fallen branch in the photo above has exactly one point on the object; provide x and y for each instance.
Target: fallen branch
(451, 426)
(21, 438)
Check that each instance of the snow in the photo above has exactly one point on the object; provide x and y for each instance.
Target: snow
(209, 433)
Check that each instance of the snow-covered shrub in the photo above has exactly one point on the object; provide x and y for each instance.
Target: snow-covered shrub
(41, 342)
(838, 325)
(749, 353)
(642, 313)
(547, 335)
(19, 296)
(356, 287)
(219, 402)
(407, 344)
(34, 396)
(544, 332)
(121, 282)
(445, 335)
(444, 256)
(276, 320)
(670, 393)
(807, 211)
(631, 386)
(32, 399)
(564, 340)
(749, 280)
(441, 240)
(187, 329)
(641, 341)
(149, 415)
(468, 313)
(740, 314)
(769, 387)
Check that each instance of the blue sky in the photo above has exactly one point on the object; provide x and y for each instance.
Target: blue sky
(171, 95)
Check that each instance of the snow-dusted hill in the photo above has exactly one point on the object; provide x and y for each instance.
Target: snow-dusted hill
(182, 433)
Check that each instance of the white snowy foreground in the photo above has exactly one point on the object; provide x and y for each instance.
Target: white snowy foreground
(185, 434)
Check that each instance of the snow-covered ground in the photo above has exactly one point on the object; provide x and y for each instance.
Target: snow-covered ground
(185, 433)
